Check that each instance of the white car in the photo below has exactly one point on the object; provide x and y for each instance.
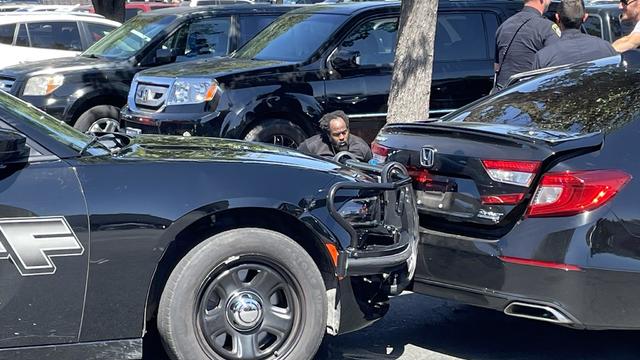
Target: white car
(48, 35)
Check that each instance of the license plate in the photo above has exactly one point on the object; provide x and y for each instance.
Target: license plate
(132, 131)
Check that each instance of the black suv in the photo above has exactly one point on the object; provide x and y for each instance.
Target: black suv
(315, 60)
(89, 90)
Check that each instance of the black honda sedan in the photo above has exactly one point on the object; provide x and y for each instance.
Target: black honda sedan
(528, 199)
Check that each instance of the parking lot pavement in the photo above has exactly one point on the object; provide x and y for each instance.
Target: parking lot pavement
(421, 327)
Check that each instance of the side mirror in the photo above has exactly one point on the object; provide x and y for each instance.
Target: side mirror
(346, 60)
(13, 148)
(163, 56)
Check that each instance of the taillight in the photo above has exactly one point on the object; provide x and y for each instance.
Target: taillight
(379, 152)
(573, 192)
(512, 172)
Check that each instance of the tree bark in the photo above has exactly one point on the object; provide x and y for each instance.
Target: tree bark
(111, 9)
(411, 82)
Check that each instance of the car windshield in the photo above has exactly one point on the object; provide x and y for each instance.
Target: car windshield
(597, 96)
(25, 114)
(130, 38)
(292, 37)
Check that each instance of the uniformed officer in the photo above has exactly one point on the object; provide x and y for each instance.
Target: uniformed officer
(574, 46)
(520, 37)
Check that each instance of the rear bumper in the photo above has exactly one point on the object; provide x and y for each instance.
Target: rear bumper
(598, 292)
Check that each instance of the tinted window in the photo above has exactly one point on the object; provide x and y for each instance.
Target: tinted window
(491, 23)
(374, 41)
(6, 33)
(620, 29)
(98, 31)
(55, 35)
(292, 37)
(23, 38)
(129, 38)
(460, 36)
(564, 100)
(251, 25)
(206, 38)
(131, 12)
(593, 25)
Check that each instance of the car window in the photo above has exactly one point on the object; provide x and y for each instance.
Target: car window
(128, 39)
(55, 35)
(23, 37)
(374, 41)
(292, 37)
(251, 25)
(6, 33)
(491, 25)
(131, 12)
(459, 37)
(593, 25)
(620, 28)
(206, 38)
(98, 31)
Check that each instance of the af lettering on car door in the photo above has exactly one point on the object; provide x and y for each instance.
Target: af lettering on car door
(361, 76)
(44, 242)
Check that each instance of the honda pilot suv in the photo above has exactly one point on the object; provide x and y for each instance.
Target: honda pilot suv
(312, 61)
(88, 91)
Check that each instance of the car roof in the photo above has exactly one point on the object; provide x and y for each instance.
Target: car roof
(53, 16)
(222, 9)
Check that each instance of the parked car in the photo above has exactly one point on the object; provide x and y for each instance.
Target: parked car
(106, 238)
(603, 21)
(132, 9)
(49, 36)
(528, 199)
(315, 60)
(88, 91)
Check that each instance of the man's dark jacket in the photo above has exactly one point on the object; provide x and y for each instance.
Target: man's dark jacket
(573, 47)
(320, 145)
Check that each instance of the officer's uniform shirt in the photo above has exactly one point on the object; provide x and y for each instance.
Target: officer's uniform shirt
(537, 33)
(573, 47)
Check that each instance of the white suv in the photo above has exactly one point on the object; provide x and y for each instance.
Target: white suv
(39, 36)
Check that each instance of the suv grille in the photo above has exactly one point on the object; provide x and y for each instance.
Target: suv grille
(150, 96)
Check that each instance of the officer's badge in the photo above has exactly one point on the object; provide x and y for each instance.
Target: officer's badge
(556, 29)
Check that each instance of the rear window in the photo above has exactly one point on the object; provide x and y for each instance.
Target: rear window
(582, 100)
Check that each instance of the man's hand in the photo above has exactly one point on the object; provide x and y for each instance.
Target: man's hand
(628, 42)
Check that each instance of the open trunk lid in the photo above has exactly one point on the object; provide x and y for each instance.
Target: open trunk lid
(476, 179)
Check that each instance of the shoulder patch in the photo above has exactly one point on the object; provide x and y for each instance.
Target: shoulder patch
(556, 29)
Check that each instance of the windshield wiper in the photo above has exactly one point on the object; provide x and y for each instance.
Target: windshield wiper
(94, 140)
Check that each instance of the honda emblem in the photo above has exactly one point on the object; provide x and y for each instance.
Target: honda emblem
(427, 157)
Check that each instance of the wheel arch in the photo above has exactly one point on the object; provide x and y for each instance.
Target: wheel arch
(212, 223)
(89, 100)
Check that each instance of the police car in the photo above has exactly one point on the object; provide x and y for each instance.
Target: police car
(232, 250)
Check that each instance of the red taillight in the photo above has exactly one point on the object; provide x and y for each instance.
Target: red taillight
(379, 152)
(505, 199)
(512, 171)
(571, 193)
(419, 175)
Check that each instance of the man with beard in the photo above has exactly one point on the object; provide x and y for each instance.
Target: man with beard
(335, 137)
(630, 12)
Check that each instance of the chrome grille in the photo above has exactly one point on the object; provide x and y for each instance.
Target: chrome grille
(151, 96)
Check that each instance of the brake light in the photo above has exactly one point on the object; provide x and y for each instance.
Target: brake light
(511, 172)
(504, 199)
(570, 193)
(379, 152)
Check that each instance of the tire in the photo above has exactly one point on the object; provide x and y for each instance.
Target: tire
(105, 118)
(233, 270)
(278, 132)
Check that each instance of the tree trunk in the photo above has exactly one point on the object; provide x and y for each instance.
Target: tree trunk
(111, 9)
(411, 82)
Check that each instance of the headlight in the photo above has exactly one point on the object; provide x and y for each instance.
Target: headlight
(361, 211)
(43, 85)
(192, 91)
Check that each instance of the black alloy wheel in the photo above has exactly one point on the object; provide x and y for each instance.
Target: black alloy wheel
(277, 132)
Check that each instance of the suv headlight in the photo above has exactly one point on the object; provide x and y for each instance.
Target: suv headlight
(43, 85)
(192, 91)
(361, 211)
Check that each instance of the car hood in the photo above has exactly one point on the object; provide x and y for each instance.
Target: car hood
(196, 149)
(60, 65)
(215, 68)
